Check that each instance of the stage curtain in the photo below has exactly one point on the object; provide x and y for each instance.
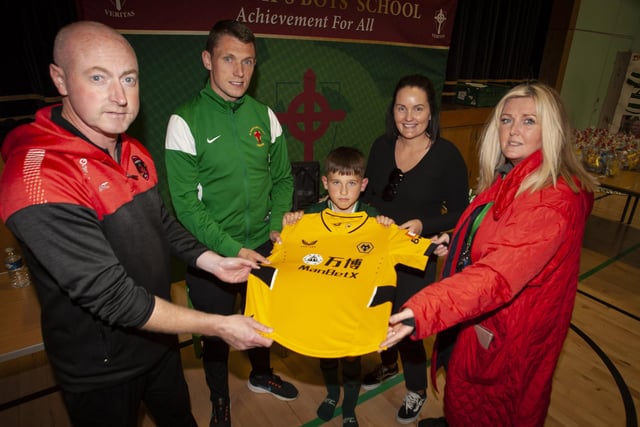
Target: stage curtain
(498, 39)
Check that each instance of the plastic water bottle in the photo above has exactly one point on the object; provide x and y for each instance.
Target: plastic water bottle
(18, 273)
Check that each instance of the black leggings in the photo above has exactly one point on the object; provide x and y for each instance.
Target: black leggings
(412, 353)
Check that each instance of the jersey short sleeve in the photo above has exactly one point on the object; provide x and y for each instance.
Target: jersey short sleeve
(329, 288)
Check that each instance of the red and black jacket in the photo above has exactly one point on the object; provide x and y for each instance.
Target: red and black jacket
(97, 239)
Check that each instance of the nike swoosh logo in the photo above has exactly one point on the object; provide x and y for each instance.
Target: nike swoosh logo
(210, 140)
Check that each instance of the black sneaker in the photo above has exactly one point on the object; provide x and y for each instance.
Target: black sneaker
(411, 407)
(326, 409)
(221, 413)
(273, 384)
(379, 375)
(349, 422)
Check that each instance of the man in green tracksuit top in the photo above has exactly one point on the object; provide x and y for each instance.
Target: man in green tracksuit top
(230, 182)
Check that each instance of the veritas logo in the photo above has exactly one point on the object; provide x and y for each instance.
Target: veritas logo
(440, 17)
(118, 10)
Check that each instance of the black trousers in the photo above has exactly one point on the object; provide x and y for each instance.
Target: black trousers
(162, 389)
(412, 353)
(212, 295)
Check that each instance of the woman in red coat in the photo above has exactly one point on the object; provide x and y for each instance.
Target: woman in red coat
(509, 281)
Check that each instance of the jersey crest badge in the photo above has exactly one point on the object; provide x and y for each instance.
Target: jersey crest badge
(365, 247)
(257, 133)
(313, 259)
(141, 167)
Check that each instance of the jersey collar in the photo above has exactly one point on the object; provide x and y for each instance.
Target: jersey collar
(342, 222)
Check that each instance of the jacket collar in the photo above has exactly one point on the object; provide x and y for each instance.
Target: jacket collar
(45, 134)
(225, 105)
(507, 185)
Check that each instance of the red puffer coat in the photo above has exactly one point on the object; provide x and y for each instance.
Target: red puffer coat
(521, 286)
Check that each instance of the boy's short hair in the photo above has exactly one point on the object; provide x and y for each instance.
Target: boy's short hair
(345, 161)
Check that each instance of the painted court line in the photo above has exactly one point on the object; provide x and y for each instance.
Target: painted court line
(602, 266)
(363, 398)
(608, 262)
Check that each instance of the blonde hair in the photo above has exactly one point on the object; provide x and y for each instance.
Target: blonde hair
(558, 155)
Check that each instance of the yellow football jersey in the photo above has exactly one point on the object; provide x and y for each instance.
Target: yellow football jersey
(329, 288)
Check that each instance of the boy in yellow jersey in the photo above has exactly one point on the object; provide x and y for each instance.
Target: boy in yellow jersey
(329, 288)
(344, 181)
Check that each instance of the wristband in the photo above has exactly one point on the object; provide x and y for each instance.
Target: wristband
(411, 321)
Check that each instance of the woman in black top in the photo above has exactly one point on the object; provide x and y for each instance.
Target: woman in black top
(419, 180)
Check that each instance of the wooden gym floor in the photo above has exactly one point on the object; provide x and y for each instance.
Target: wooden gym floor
(597, 382)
